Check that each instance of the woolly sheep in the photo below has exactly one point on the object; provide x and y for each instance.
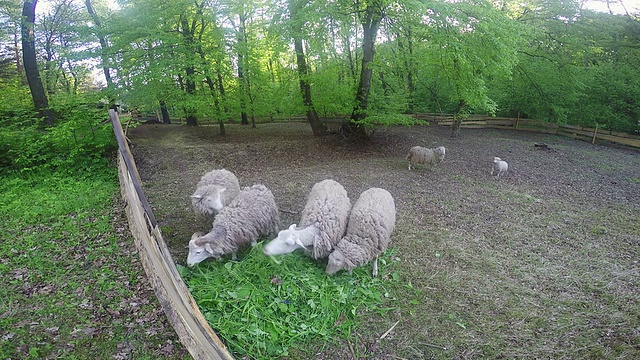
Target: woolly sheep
(429, 157)
(322, 224)
(215, 190)
(500, 166)
(251, 215)
(372, 220)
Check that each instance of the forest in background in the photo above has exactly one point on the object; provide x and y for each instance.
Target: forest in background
(219, 61)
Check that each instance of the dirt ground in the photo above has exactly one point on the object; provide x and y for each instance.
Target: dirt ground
(446, 216)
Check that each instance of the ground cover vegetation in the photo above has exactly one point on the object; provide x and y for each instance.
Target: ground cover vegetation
(63, 63)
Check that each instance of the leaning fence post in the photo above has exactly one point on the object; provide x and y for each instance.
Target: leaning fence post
(595, 133)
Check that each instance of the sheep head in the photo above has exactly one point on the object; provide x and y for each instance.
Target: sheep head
(337, 262)
(204, 246)
(496, 159)
(440, 151)
(287, 241)
(210, 197)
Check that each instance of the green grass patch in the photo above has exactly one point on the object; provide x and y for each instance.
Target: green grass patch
(66, 278)
(262, 307)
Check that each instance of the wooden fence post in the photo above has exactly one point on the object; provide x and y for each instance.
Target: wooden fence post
(595, 133)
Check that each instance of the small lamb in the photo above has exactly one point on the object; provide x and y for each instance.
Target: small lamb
(250, 216)
(500, 166)
(429, 157)
(215, 190)
(322, 224)
(372, 220)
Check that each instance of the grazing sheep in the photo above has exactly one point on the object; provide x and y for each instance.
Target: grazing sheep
(215, 190)
(372, 220)
(500, 166)
(251, 215)
(322, 224)
(429, 157)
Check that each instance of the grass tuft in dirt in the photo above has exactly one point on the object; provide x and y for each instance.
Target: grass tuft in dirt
(262, 307)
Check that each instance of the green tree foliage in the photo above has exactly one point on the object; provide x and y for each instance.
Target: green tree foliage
(221, 60)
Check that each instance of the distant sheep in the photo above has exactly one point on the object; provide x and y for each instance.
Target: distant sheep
(250, 216)
(429, 157)
(372, 220)
(215, 190)
(322, 224)
(500, 166)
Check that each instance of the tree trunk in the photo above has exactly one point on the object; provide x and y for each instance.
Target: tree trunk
(241, 76)
(408, 65)
(457, 119)
(370, 23)
(38, 95)
(317, 127)
(165, 113)
(190, 84)
(104, 48)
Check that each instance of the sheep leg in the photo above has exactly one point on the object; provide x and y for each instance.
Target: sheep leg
(254, 243)
(374, 273)
(234, 256)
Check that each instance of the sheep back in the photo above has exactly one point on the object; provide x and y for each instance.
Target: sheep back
(426, 156)
(210, 185)
(327, 208)
(251, 215)
(370, 226)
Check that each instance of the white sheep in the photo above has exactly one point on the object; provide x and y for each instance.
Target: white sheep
(429, 157)
(500, 166)
(250, 216)
(372, 220)
(215, 190)
(322, 224)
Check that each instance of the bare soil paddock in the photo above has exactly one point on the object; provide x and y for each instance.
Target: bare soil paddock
(542, 263)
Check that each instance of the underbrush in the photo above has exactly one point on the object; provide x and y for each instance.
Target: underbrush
(262, 307)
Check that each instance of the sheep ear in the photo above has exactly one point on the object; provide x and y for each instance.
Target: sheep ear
(196, 196)
(292, 227)
(207, 246)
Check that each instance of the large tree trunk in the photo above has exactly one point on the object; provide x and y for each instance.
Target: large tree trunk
(370, 23)
(40, 102)
(317, 127)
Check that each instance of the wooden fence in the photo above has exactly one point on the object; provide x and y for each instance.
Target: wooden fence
(577, 132)
(181, 309)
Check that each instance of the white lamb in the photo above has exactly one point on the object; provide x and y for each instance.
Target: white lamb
(215, 190)
(322, 224)
(429, 157)
(372, 220)
(499, 166)
(250, 216)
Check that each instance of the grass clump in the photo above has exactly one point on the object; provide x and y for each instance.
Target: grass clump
(262, 307)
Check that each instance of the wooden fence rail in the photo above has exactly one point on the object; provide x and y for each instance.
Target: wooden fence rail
(577, 132)
(181, 309)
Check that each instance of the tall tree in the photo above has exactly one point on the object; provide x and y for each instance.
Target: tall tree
(40, 101)
(371, 14)
(317, 127)
(104, 51)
